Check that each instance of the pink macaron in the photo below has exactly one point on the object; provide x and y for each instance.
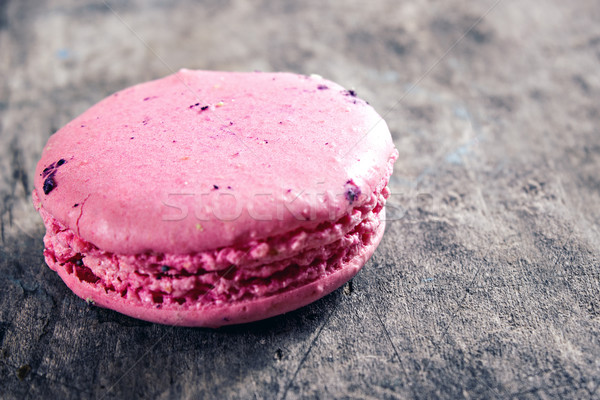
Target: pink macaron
(212, 198)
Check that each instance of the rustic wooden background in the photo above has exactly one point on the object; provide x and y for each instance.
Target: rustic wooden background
(486, 284)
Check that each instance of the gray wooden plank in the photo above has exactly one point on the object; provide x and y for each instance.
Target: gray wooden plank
(487, 282)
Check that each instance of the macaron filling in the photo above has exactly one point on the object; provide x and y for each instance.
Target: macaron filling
(227, 275)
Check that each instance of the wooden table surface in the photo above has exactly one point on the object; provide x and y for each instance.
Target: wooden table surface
(486, 284)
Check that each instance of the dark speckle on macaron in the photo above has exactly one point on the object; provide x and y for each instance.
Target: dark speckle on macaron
(352, 191)
(204, 108)
(322, 87)
(164, 268)
(49, 184)
(49, 169)
(215, 187)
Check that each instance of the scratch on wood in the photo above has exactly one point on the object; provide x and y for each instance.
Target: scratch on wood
(310, 347)
(388, 337)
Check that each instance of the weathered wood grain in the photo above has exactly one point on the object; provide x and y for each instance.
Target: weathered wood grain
(487, 283)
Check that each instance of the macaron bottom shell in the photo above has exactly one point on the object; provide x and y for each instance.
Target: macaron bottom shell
(214, 316)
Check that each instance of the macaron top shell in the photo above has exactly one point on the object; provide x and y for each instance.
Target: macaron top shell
(200, 160)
